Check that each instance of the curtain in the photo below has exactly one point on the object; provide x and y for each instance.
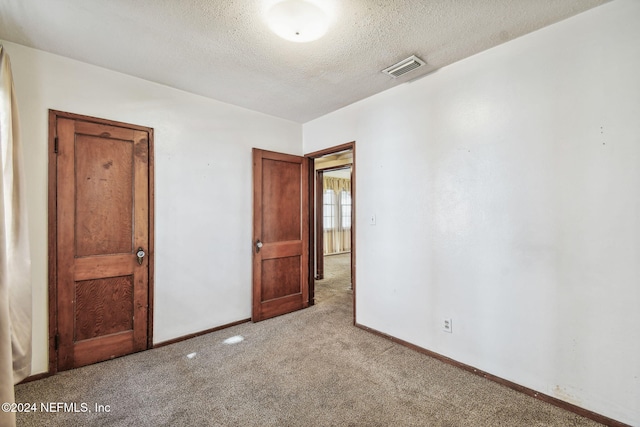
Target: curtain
(337, 215)
(15, 263)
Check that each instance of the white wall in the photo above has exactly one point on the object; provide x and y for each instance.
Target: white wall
(508, 186)
(202, 176)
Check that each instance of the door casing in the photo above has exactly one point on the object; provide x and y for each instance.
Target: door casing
(314, 209)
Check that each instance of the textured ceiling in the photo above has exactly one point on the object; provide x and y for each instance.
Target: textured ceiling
(224, 50)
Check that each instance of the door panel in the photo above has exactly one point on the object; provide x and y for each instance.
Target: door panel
(102, 218)
(276, 280)
(280, 201)
(281, 225)
(103, 307)
(107, 177)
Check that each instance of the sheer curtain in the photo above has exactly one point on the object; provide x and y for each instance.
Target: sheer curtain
(15, 263)
(337, 214)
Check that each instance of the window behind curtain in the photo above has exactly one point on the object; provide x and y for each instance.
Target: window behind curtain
(345, 209)
(330, 210)
(337, 210)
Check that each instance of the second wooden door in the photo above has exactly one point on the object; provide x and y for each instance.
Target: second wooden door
(281, 232)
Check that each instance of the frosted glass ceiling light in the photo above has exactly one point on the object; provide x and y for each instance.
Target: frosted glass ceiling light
(298, 20)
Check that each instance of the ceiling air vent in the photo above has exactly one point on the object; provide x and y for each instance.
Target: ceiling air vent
(404, 66)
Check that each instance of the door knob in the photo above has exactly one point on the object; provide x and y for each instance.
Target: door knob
(140, 254)
(258, 245)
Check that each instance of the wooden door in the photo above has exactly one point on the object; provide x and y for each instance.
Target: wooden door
(280, 234)
(102, 221)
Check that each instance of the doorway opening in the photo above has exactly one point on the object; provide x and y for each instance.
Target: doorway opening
(332, 236)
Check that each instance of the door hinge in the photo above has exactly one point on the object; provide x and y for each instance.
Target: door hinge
(56, 342)
(55, 144)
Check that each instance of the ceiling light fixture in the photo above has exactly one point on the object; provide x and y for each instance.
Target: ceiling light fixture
(298, 20)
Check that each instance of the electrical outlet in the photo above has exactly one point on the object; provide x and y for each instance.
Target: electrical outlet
(372, 219)
(447, 325)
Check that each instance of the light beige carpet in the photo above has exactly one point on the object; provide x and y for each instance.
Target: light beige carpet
(309, 368)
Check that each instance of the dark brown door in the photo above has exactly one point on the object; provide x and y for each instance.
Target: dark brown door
(103, 217)
(280, 234)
